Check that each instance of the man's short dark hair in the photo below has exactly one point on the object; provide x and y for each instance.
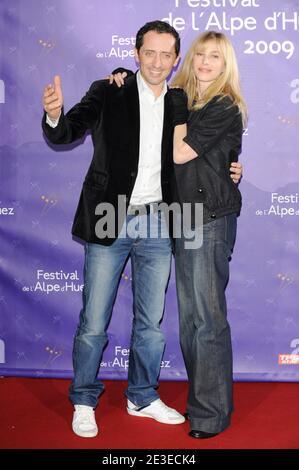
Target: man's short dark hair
(159, 27)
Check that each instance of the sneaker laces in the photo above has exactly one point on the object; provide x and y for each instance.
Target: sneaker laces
(84, 413)
(162, 407)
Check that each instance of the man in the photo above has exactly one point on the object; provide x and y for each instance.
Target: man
(132, 136)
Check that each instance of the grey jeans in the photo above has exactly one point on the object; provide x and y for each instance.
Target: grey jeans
(201, 278)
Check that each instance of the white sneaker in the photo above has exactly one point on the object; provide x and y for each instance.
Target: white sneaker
(156, 410)
(84, 423)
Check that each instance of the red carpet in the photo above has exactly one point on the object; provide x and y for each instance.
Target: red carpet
(36, 414)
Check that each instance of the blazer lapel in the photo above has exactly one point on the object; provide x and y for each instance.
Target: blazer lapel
(167, 135)
(132, 100)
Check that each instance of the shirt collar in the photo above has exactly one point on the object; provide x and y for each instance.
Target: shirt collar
(144, 88)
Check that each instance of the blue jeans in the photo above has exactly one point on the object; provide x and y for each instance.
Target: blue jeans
(201, 277)
(151, 260)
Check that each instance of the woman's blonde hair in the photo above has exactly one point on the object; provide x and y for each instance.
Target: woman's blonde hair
(228, 82)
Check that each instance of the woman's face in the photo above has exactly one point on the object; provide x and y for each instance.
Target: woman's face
(208, 62)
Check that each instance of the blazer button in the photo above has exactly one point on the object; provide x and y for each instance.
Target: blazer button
(199, 190)
(133, 174)
(213, 216)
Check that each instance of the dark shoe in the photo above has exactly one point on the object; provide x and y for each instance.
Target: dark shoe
(201, 434)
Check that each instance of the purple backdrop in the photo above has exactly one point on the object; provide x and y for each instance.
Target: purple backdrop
(40, 264)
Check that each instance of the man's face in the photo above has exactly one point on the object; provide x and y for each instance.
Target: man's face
(156, 58)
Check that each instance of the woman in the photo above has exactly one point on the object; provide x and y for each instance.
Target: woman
(204, 149)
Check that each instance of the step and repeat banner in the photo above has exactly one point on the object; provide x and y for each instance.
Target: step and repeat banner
(41, 277)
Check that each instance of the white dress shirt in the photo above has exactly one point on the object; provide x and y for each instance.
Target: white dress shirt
(147, 186)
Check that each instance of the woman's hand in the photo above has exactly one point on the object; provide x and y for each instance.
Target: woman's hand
(118, 78)
(236, 170)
